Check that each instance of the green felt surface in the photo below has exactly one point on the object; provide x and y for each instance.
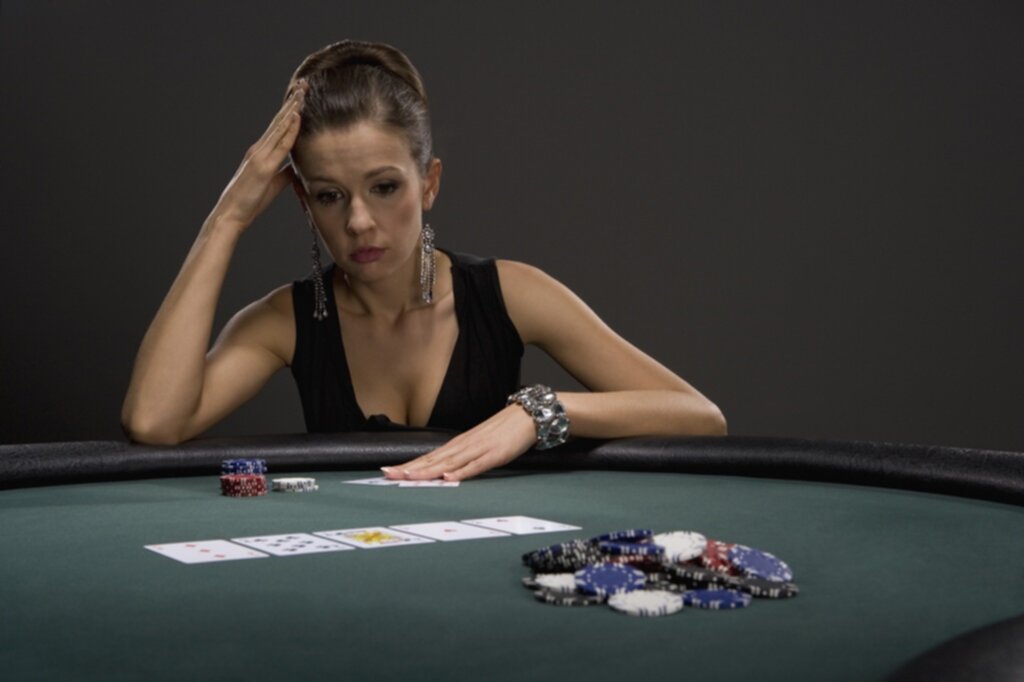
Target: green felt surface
(885, 575)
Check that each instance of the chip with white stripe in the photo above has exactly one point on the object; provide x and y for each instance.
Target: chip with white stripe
(647, 602)
(681, 545)
(560, 582)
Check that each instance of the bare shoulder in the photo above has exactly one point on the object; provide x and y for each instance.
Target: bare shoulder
(520, 278)
(267, 322)
(535, 300)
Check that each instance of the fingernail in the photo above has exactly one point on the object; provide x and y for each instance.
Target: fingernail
(386, 470)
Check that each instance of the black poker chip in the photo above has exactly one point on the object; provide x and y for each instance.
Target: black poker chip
(696, 576)
(567, 599)
(762, 587)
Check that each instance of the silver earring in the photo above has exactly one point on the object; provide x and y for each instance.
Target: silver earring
(319, 293)
(428, 265)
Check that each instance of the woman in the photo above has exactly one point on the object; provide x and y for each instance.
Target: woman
(411, 335)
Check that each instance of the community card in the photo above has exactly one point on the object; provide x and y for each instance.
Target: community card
(447, 531)
(434, 483)
(377, 480)
(292, 544)
(372, 538)
(205, 551)
(521, 525)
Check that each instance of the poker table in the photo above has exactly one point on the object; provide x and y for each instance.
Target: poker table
(909, 558)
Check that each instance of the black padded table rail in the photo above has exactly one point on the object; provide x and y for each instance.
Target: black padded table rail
(982, 474)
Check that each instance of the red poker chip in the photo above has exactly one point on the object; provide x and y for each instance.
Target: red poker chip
(716, 557)
(243, 485)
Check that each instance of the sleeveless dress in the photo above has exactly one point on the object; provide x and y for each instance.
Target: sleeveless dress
(483, 370)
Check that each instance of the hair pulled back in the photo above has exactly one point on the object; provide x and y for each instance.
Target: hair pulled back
(353, 81)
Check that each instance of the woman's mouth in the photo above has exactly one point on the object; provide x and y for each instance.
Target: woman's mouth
(367, 255)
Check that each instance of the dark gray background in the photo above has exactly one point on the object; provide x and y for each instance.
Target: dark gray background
(811, 211)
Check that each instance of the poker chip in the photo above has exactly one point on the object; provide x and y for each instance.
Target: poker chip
(243, 485)
(606, 579)
(666, 586)
(697, 576)
(681, 545)
(243, 466)
(295, 485)
(563, 557)
(646, 602)
(716, 599)
(755, 563)
(716, 557)
(631, 535)
(645, 563)
(559, 582)
(567, 599)
(630, 548)
(759, 587)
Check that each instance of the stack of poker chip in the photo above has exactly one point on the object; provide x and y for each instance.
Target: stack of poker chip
(642, 573)
(243, 477)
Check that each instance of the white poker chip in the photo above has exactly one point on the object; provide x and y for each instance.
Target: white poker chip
(560, 582)
(681, 545)
(295, 485)
(647, 602)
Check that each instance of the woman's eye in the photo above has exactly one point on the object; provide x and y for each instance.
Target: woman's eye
(385, 188)
(328, 197)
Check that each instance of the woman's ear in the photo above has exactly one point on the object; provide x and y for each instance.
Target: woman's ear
(432, 183)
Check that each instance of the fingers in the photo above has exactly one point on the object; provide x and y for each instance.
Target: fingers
(493, 443)
(284, 127)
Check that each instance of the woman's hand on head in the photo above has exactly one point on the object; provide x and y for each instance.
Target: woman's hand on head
(260, 177)
(490, 444)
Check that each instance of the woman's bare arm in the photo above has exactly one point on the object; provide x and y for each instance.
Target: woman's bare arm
(177, 389)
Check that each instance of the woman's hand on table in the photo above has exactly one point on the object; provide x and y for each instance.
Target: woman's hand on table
(491, 444)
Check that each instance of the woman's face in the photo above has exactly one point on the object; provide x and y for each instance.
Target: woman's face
(366, 196)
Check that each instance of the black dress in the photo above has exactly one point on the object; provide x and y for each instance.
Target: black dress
(484, 368)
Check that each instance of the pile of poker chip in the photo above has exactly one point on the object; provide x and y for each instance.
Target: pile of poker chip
(643, 573)
(248, 478)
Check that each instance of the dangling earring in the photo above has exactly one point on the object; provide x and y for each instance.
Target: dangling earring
(319, 294)
(428, 265)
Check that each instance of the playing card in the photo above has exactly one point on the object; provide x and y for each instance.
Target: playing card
(377, 480)
(372, 538)
(205, 551)
(521, 525)
(290, 545)
(450, 530)
(434, 483)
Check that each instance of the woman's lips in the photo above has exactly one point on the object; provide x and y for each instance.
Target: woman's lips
(367, 255)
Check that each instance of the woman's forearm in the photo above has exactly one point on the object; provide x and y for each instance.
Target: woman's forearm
(621, 414)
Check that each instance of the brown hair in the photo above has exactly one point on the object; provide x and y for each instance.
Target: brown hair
(352, 81)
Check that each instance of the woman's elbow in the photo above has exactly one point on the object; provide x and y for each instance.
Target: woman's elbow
(709, 421)
(717, 425)
(149, 432)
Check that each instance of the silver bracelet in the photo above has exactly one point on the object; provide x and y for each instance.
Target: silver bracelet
(548, 414)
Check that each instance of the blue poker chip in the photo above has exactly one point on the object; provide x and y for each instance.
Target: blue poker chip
(631, 535)
(608, 579)
(755, 563)
(716, 599)
(243, 466)
(630, 548)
